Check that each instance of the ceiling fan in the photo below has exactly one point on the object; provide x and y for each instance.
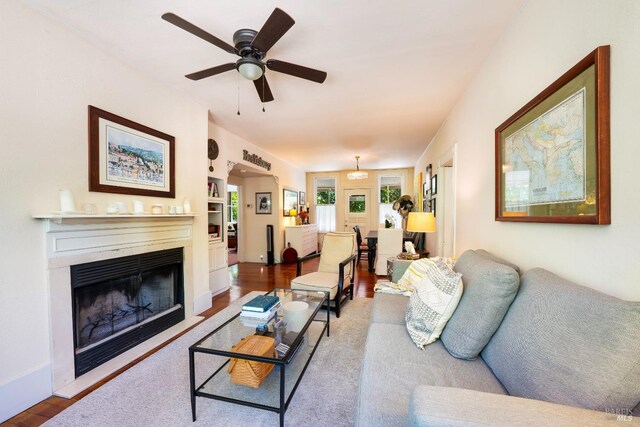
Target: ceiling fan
(251, 46)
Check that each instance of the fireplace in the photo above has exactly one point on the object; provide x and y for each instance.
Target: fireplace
(86, 240)
(121, 302)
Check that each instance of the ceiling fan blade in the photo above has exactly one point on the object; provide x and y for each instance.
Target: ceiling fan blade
(188, 26)
(264, 91)
(297, 70)
(211, 71)
(277, 24)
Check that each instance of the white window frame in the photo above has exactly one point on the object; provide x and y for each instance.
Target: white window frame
(321, 226)
(381, 210)
(390, 175)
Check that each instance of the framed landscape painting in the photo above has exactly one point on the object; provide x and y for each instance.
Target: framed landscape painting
(126, 157)
(552, 156)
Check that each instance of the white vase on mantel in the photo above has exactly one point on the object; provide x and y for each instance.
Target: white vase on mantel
(67, 204)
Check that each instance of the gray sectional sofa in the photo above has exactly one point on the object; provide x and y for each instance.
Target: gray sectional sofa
(530, 350)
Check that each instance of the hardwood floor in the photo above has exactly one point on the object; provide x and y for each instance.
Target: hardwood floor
(244, 278)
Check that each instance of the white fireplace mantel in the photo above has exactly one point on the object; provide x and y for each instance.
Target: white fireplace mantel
(76, 239)
(78, 217)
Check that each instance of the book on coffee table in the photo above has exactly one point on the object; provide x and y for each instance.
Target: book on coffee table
(265, 315)
(261, 303)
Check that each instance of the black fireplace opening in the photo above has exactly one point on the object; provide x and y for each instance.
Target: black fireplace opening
(121, 302)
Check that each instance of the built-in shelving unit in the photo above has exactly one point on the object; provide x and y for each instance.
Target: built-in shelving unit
(215, 209)
(217, 229)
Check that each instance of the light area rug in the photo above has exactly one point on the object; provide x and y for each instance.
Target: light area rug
(155, 392)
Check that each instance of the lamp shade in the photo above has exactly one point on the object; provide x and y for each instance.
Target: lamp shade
(423, 222)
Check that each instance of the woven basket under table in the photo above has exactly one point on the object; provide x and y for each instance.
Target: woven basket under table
(249, 372)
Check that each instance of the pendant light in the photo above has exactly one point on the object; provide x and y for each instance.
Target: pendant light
(357, 174)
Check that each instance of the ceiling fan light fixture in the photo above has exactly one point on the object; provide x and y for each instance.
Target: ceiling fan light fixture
(250, 68)
(252, 47)
(357, 174)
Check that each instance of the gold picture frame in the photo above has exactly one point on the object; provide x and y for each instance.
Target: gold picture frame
(417, 192)
(552, 156)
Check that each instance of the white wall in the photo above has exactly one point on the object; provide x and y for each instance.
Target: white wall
(289, 176)
(254, 238)
(543, 41)
(48, 78)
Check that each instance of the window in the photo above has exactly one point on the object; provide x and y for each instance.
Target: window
(390, 191)
(325, 204)
(357, 203)
(232, 203)
(326, 191)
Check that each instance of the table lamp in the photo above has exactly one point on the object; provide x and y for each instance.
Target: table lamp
(421, 222)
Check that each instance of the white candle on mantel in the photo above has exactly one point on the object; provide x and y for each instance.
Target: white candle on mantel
(67, 204)
(307, 205)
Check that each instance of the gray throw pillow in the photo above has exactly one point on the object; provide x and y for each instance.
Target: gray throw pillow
(568, 344)
(489, 290)
(497, 259)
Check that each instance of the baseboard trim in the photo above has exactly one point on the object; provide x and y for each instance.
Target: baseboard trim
(24, 392)
(202, 303)
(220, 291)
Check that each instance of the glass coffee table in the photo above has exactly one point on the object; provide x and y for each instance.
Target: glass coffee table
(276, 392)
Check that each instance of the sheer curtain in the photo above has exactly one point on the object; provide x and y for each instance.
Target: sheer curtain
(387, 209)
(326, 218)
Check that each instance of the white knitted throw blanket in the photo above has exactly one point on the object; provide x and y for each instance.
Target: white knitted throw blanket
(414, 274)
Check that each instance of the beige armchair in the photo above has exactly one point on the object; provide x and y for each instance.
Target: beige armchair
(335, 271)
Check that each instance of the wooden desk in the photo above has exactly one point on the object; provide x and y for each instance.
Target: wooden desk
(372, 240)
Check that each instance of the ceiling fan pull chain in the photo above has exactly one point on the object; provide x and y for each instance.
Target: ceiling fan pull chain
(238, 93)
(263, 80)
(252, 47)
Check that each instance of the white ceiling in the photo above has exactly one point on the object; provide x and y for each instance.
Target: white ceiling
(395, 68)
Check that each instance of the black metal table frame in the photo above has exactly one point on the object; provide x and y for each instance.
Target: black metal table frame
(284, 405)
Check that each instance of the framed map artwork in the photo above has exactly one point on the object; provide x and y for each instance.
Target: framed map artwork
(552, 156)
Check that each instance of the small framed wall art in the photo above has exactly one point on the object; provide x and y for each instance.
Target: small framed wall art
(126, 157)
(263, 203)
(552, 155)
(289, 202)
(301, 198)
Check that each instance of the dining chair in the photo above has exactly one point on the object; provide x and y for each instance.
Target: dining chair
(363, 247)
(389, 245)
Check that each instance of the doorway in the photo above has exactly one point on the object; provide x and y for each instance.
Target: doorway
(357, 209)
(233, 202)
(446, 207)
